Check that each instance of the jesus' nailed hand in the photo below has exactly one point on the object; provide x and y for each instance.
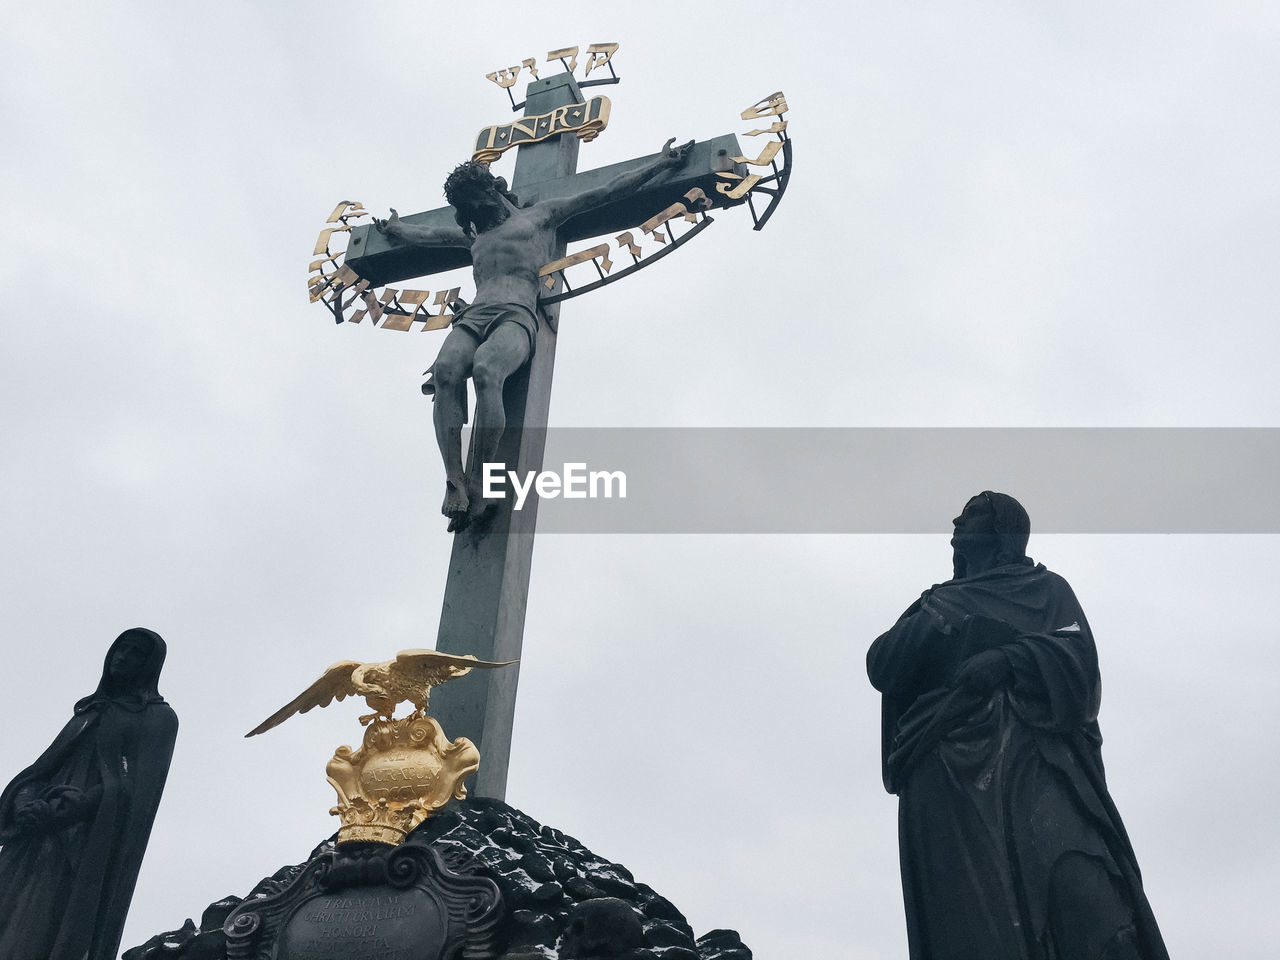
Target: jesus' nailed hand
(494, 336)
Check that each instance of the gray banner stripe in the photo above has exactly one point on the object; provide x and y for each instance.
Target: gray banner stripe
(914, 480)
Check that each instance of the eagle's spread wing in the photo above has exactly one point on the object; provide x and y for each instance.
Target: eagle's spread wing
(335, 684)
(430, 668)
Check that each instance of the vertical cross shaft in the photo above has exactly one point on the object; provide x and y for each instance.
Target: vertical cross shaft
(488, 583)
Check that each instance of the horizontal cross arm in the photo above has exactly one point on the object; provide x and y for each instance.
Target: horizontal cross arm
(382, 260)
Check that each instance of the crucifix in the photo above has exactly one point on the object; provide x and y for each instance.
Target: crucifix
(515, 239)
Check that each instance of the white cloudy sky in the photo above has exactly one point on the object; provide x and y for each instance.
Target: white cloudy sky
(1002, 214)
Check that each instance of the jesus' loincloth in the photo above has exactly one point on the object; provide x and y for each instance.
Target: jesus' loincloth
(480, 319)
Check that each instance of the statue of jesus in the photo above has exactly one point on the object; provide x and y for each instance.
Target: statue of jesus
(494, 335)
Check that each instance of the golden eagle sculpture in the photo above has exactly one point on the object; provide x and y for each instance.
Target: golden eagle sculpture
(384, 686)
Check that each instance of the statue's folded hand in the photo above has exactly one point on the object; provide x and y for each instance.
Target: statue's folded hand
(33, 813)
(979, 633)
(69, 804)
(985, 672)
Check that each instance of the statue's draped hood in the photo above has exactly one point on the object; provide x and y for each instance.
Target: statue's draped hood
(141, 689)
(1012, 530)
(1013, 526)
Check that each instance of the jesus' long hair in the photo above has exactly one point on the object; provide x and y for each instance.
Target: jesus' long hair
(467, 184)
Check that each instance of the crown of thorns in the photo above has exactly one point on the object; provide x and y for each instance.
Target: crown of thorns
(470, 179)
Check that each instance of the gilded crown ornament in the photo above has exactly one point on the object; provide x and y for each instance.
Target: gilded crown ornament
(406, 768)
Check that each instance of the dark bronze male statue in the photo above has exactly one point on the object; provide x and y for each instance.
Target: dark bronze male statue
(493, 337)
(74, 824)
(1010, 845)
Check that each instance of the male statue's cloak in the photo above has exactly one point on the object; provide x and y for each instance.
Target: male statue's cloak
(65, 885)
(1011, 848)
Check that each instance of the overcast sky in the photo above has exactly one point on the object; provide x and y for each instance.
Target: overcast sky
(1013, 215)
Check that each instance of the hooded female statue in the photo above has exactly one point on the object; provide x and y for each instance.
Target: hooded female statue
(74, 824)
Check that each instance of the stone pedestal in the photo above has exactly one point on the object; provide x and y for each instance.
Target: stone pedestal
(530, 892)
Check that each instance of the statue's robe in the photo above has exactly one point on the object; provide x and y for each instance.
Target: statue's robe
(1011, 848)
(65, 888)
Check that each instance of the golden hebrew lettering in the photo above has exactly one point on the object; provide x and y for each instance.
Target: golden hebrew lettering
(774, 105)
(582, 256)
(414, 296)
(692, 208)
(389, 295)
(397, 321)
(319, 264)
(394, 306)
(675, 210)
(599, 55)
(322, 242)
(363, 311)
(333, 283)
(356, 291)
(341, 288)
(369, 301)
(505, 78)
(651, 225)
(442, 319)
(396, 312)
(697, 199)
(741, 190)
(340, 214)
(322, 285)
(324, 288)
(778, 127)
(570, 52)
(766, 155)
(628, 241)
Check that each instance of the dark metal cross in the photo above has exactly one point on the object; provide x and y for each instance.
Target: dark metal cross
(488, 582)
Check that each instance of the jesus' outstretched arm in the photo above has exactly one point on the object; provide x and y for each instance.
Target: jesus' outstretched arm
(559, 209)
(397, 229)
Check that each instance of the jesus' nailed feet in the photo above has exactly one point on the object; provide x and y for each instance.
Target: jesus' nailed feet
(465, 505)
